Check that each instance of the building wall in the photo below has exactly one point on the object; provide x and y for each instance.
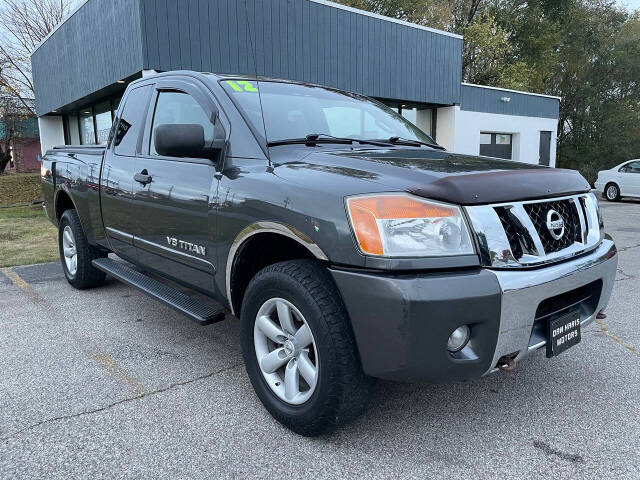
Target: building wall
(446, 127)
(98, 45)
(51, 132)
(459, 131)
(306, 40)
(478, 98)
(105, 41)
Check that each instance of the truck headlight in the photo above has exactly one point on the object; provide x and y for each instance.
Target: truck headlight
(402, 225)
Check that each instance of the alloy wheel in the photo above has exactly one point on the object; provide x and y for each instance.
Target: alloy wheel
(286, 351)
(69, 250)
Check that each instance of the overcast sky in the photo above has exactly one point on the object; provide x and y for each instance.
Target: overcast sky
(632, 4)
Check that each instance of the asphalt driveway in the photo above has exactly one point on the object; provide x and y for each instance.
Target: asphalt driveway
(108, 383)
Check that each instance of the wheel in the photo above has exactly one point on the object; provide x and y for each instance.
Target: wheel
(76, 254)
(612, 192)
(299, 349)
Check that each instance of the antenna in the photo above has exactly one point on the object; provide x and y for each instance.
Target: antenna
(255, 67)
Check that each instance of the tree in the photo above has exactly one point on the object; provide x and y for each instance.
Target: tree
(487, 56)
(588, 53)
(23, 25)
(451, 15)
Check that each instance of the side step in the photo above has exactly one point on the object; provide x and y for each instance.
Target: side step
(200, 312)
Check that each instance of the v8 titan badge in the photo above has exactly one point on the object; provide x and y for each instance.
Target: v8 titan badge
(564, 332)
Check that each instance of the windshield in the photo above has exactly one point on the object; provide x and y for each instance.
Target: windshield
(293, 111)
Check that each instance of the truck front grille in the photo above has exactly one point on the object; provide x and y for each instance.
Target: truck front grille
(516, 234)
(569, 213)
(509, 226)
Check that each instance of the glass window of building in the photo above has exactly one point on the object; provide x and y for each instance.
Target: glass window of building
(495, 145)
(73, 131)
(485, 139)
(87, 131)
(103, 121)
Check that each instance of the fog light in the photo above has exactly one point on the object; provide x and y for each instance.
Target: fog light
(458, 339)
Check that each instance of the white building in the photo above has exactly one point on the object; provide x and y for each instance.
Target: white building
(502, 123)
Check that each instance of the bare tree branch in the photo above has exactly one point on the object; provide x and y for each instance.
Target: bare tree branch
(23, 25)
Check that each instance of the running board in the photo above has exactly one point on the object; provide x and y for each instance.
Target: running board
(198, 311)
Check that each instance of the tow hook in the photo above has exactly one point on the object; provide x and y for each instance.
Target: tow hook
(506, 364)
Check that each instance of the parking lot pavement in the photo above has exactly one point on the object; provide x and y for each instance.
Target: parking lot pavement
(109, 383)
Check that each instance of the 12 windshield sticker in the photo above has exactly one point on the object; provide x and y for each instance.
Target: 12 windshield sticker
(242, 86)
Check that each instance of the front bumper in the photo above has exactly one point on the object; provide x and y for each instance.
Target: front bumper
(402, 322)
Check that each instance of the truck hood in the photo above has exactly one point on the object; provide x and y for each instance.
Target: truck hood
(450, 177)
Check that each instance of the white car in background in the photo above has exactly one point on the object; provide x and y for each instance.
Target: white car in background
(620, 181)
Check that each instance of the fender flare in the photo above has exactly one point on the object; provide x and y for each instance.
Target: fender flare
(67, 191)
(56, 195)
(267, 227)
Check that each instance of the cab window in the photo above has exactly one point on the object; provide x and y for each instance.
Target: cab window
(174, 107)
(125, 138)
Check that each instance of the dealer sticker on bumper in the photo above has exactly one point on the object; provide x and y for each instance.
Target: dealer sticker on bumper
(564, 332)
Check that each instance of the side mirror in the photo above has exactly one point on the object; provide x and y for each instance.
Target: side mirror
(184, 140)
(179, 140)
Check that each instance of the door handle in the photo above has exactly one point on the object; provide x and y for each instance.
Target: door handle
(143, 177)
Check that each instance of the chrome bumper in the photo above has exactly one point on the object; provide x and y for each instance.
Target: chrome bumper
(523, 290)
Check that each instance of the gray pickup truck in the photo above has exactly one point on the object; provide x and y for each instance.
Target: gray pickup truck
(350, 245)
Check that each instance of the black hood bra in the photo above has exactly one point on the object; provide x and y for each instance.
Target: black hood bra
(450, 177)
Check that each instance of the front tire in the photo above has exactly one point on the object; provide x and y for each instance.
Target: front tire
(76, 254)
(612, 192)
(299, 350)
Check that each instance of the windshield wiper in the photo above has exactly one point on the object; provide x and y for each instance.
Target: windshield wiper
(407, 141)
(313, 139)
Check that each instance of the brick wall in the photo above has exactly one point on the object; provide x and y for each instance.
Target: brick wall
(25, 151)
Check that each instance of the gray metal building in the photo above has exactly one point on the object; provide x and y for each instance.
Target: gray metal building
(81, 69)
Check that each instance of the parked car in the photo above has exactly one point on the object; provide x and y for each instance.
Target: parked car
(350, 245)
(620, 181)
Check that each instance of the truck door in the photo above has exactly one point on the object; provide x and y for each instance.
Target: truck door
(118, 165)
(173, 197)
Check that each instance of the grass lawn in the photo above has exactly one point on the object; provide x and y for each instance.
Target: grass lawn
(20, 188)
(26, 236)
